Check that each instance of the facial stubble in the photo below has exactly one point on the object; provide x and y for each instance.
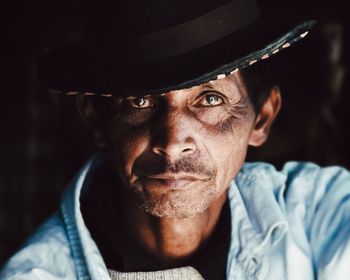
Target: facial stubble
(183, 202)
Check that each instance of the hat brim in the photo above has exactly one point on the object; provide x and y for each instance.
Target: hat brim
(70, 69)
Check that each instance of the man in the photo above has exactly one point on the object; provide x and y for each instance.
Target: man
(174, 101)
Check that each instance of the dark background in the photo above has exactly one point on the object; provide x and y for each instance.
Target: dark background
(43, 143)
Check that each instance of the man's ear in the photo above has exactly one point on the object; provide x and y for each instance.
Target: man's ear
(91, 118)
(265, 118)
(87, 111)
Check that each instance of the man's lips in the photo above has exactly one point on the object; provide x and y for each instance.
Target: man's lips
(174, 177)
(171, 180)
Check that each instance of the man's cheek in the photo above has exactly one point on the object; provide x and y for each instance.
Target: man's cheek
(121, 135)
(228, 150)
(132, 145)
(229, 127)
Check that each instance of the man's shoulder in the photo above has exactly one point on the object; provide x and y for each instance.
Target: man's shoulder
(46, 255)
(315, 182)
(304, 190)
(306, 178)
(315, 202)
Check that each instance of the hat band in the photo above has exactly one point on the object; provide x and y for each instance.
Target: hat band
(176, 40)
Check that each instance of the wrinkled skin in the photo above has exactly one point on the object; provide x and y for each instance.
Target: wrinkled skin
(199, 136)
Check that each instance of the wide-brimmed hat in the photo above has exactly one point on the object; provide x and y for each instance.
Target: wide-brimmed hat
(155, 46)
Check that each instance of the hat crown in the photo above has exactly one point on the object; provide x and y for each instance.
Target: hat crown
(136, 17)
(153, 37)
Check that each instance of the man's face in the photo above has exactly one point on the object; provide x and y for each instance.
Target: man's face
(179, 151)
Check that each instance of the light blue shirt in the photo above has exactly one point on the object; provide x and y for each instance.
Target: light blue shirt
(289, 224)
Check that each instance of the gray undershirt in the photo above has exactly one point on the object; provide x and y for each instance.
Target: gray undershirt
(180, 273)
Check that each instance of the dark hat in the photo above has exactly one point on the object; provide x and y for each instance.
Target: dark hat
(154, 46)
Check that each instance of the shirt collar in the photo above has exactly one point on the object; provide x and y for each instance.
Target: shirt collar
(88, 260)
(257, 220)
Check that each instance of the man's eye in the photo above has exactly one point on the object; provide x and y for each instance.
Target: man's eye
(211, 100)
(141, 102)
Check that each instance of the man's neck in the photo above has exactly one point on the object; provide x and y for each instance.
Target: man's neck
(129, 239)
(170, 241)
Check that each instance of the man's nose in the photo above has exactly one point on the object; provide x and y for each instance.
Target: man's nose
(174, 136)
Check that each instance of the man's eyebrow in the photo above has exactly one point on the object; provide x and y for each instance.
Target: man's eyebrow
(214, 86)
(208, 86)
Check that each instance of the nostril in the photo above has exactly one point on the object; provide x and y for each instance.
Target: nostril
(174, 148)
(159, 151)
(188, 151)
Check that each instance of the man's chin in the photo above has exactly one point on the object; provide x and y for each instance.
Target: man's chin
(177, 203)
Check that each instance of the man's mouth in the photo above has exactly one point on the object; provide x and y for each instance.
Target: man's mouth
(171, 180)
